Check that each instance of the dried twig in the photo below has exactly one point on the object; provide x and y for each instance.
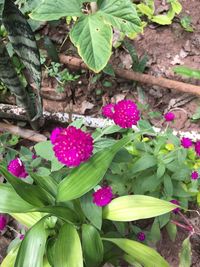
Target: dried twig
(139, 77)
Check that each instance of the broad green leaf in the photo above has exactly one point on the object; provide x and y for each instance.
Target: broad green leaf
(11, 202)
(171, 230)
(186, 71)
(92, 246)
(186, 254)
(68, 251)
(131, 260)
(45, 182)
(145, 255)
(91, 211)
(146, 10)
(93, 38)
(30, 193)
(162, 19)
(53, 10)
(121, 14)
(31, 251)
(27, 219)
(9, 260)
(145, 162)
(136, 207)
(168, 186)
(82, 179)
(176, 6)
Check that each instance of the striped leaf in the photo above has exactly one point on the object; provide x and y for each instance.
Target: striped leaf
(9, 260)
(23, 41)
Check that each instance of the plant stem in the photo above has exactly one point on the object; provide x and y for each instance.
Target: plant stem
(94, 7)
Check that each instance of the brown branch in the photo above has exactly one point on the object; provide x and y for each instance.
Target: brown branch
(25, 133)
(139, 77)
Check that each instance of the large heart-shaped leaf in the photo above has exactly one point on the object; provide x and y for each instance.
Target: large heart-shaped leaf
(53, 10)
(145, 255)
(121, 14)
(68, 251)
(82, 179)
(135, 207)
(93, 38)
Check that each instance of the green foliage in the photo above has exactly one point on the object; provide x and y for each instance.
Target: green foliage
(148, 9)
(92, 33)
(185, 254)
(188, 72)
(186, 23)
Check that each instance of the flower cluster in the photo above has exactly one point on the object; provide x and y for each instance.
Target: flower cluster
(141, 236)
(3, 222)
(186, 142)
(125, 113)
(16, 167)
(194, 175)
(103, 196)
(71, 146)
(169, 116)
(176, 202)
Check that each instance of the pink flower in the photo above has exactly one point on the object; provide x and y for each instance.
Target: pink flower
(73, 146)
(103, 196)
(194, 175)
(108, 111)
(16, 167)
(141, 236)
(55, 133)
(3, 222)
(176, 202)
(197, 148)
(186, 142)
(126, 114)
(169, 116)
(21, 236)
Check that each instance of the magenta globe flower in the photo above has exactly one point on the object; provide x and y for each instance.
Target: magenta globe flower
(176, 202)
(73, 146)
(54, 134)
(194, 175)
(126, 114)
(3, 222)
(197, 148)
(16, 167)
(169, 116)
(108, 111)
(141, 236)
(186, 142)
(103, 196)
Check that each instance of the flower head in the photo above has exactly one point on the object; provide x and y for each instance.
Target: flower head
(186, 142)
(126, 114)
(16, 167)
(103, 196)
(176, 202)
(169, 116)
(3, 222)
(141, 236)
(54, 134)
(73, 146)
(21, 236)
(197, 148)
(194, 175)
(108, 111)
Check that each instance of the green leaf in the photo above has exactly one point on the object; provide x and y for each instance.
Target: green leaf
(11, 202)
(168, 186)
(145, 255)
(82, 179)
(31, 251)
(186, 71)
(161, 19)
(68, 251)
(91, 211)
(54, 10)
(186, 254)
(92, 246)
(146, 10)
(9, 260)
(145, 162)
(121, 14)
(30, 193)
(176, 6)
(93, 38)
(171, 230)
(155, 231)
(1, 8)
(27, 219)
(135, 207)
(131, 260)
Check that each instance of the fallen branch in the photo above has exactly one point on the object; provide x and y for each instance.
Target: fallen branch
(87, 120)
(25, 133)
(139, 77)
